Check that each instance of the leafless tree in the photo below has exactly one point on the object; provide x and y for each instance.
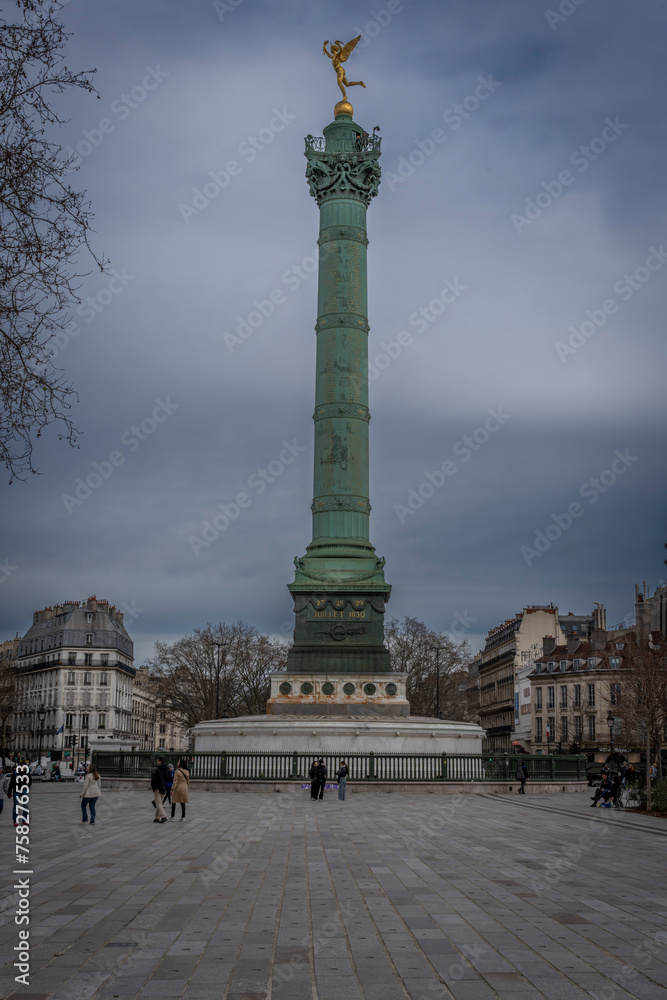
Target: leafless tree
(8, 701)
(219, 668)
(44, 226)
(413, 650)
(642, 705)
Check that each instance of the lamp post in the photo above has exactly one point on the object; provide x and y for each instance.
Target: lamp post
(41, 715)
(217, 679)
(610, 723)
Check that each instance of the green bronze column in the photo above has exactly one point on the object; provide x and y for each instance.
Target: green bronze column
(339, 587)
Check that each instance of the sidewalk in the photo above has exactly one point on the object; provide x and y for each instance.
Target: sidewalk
(384, 898)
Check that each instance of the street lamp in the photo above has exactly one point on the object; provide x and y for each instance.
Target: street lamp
(41, 715)
(610, 723)
(438, 713)
(220, 645)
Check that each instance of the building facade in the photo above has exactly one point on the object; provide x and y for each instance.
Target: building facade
(74, 679)
(517, 641)
(575, 686)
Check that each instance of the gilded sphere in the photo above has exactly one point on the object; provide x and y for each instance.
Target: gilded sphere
(344, 108)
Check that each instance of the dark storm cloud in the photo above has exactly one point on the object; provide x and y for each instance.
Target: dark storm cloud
(187, 89)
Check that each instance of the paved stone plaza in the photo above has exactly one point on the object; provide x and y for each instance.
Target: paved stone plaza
(382, 897)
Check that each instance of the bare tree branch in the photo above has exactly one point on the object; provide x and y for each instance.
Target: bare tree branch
(44, 227)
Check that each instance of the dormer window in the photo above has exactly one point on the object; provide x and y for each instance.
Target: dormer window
(89, 617)
(563, 664)
(615, 661)
(577, 664)
(89, 638)
(620, 645)
(550, 665)
(591, 661)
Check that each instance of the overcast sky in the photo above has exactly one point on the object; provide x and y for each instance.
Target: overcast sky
(541, 204)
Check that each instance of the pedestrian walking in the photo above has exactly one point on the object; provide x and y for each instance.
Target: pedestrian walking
(341, 775)
(159, 787)
(170, 781)
(90, 793)
(521, 775)
(320, 779)
(179, 788)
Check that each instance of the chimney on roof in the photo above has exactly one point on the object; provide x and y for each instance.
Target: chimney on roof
(599, 616)
(573, 643)
(548, 644)
(598, 638)
(642, 616)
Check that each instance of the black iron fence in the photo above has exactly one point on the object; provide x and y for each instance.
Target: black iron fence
(268, 766)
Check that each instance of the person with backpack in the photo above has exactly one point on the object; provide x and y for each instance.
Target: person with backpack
(521, 774)
(341, 775)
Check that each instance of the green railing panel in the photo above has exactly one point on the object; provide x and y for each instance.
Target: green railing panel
(294, 766)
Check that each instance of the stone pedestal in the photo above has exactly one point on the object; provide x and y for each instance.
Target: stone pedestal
(318, 735)
(339, 695)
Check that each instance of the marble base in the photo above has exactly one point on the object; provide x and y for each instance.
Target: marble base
(319, 735)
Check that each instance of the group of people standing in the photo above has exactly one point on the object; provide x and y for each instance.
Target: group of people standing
(169, 785)
(611, 787)
(318, 779)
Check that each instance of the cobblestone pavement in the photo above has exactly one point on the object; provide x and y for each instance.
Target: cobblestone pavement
(384, 897)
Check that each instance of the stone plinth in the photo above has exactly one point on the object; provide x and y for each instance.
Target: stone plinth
(319, 735)
(339, 695)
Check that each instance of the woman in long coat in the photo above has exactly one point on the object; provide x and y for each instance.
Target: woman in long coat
(179, 788)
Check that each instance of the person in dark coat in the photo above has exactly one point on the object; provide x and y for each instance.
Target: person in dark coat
(616, 788)
(341, 775)
(320, 779)
(159, 788)
(312, 774)
(599, 792)
(522, 776)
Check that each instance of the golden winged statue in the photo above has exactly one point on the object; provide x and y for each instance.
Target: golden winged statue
(339, 54)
